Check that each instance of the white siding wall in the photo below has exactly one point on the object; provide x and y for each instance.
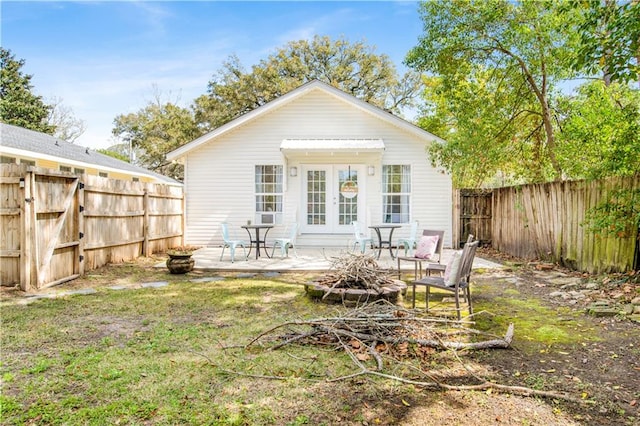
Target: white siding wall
(219, 176)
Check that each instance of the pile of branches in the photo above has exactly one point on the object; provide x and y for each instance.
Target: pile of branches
(384, 323)
(357, 271)
(382, 336)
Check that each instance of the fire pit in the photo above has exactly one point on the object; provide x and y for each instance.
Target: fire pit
(356, 279)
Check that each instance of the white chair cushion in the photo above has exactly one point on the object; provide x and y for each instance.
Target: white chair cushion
(451, 270)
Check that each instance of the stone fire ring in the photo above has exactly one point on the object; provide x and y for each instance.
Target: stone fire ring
(390, 292)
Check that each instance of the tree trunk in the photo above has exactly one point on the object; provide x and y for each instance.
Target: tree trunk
(551, 140)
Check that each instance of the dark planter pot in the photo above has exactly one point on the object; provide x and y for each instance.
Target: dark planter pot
(180, 263)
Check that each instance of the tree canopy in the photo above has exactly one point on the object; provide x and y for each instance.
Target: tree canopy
(609, 39)
(352, 67)
(512, 53)
(18, 104)
(600, 131)
(155, 130)
(494, 70)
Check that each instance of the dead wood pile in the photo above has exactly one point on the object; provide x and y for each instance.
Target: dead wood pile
(357, 271)
(356, 279)
(381, 338)
(386, 324)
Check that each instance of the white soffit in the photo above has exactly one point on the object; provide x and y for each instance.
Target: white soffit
(331, 145)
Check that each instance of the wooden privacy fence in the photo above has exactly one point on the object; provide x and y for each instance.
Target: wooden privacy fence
(545, 221)
(55, 225)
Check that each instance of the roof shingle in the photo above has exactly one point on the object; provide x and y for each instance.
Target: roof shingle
(41, 143)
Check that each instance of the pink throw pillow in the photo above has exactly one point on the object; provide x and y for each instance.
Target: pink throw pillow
(452, 269)
(426, 246)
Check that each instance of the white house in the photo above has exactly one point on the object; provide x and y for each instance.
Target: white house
(317, 157)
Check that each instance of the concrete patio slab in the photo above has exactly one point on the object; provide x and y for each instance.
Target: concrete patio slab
(309, 259)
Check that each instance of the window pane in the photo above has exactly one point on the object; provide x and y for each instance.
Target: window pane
(269, 188)
(396, 197)
(316, 180)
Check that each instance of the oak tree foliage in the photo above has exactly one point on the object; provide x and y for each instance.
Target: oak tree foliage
(352, 67)
(355, 68)
(158, 128)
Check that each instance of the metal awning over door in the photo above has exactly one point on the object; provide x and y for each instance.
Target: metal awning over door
(297, 146)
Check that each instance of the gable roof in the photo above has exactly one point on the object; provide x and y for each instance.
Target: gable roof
(295, 94)
(14, 139)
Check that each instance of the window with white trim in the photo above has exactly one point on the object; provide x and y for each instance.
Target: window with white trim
(396, 193)
(269, 193)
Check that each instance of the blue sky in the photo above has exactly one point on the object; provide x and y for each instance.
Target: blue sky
(103, 59)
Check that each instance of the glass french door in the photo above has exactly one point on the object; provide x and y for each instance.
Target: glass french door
(333, 198)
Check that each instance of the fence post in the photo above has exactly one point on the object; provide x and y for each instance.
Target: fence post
(80, 227)
(27, 241)
(455, 238)
(145, 225)
(183, 218)
(25, 233)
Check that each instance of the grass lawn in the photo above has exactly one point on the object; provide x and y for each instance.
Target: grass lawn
(168, 356)
(175, 355)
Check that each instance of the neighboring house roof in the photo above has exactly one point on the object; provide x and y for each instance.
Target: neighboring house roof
(15, 139)
(294, 94)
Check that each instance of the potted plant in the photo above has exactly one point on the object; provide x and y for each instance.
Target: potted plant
(180, 261)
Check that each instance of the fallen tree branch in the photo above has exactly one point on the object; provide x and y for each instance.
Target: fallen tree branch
(359, 332)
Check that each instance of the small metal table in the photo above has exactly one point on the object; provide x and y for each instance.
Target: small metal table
(257, 240)
(391, 228)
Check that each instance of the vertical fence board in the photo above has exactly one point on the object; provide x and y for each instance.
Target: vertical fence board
(11, 217)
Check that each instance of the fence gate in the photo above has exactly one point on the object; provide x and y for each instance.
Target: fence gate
(475, 215)
(53, 230)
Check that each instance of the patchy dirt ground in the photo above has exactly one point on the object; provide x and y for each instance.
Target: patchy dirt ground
(603, 369)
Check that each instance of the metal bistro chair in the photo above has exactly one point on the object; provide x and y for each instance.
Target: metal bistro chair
(410, 242)
(232, 244)
(361, 239)
(286, 242)
(417, 261)
(455, 280)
